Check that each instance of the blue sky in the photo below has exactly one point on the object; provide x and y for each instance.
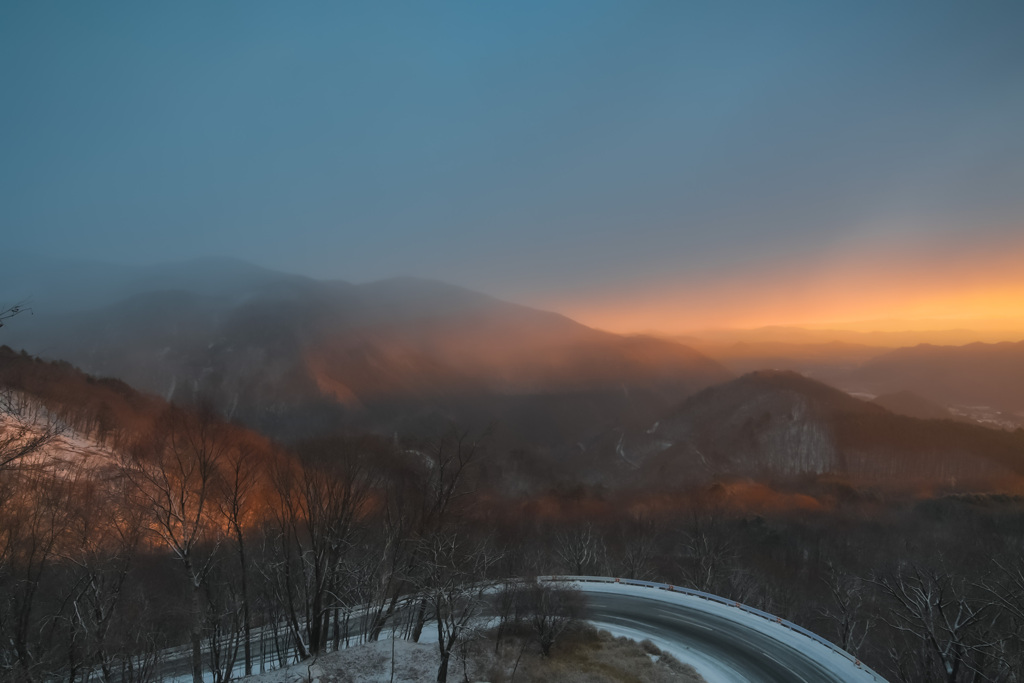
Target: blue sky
(585, 156)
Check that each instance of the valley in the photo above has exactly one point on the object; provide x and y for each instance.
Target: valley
(381, 445)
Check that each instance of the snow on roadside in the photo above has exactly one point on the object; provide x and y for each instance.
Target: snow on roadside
(364, 663)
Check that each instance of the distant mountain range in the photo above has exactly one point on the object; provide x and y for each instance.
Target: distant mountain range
(982, 382)
(819, 359)
(778, 428)
(295, 356)
(974, 374)
(883, 333)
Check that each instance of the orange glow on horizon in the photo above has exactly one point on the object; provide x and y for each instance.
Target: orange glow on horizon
(886, 312)
(972, 287)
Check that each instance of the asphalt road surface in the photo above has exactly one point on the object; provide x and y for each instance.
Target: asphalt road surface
(755, 656)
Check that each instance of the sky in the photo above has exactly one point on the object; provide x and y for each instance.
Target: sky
(639, 166)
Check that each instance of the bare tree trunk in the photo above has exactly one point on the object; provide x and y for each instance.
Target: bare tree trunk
(246, 618)
(196, 635)
(445, 650)
(421, 617)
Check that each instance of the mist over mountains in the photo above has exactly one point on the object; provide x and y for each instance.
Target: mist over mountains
(297, 356)
(972, 374)
(979, 382)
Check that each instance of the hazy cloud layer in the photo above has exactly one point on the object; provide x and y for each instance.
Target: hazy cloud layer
(705, 162)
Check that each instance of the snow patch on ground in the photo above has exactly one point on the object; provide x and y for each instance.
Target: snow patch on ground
(366, 663)
(67, 452)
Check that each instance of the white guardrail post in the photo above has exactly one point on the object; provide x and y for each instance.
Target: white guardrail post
(728, 603)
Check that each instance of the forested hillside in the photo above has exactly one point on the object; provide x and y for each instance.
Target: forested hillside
(183, 529)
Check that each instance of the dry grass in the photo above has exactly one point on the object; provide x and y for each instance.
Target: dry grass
(582, 655)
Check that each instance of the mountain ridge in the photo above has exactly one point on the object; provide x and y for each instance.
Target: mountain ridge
(262, 345)
(779, 425)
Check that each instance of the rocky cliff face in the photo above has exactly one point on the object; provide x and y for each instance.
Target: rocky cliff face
(764, 424)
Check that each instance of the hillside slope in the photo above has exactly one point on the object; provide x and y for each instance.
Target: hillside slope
(296, 356)
(773, 426)
(971, 375)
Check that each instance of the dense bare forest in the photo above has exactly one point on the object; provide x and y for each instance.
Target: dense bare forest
(130, 526)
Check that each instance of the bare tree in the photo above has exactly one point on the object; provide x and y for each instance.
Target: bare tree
(11, 311)
(224, 628)
(20, 435)
(26, 427)
(107, 532)
(550, 609)
(581, 550)
(452, 584)
(242, 475)
(1006, 590)
(421, 503)
(320, 501)
(37, 519)
(286, 569)
(392, 554)
(708, 552)
(176, 475)
(639, 546)
(508, 602)
(846, 611)
(934, 610)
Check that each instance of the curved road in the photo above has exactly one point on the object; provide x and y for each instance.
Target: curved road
(733, 650)
(753, 655)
